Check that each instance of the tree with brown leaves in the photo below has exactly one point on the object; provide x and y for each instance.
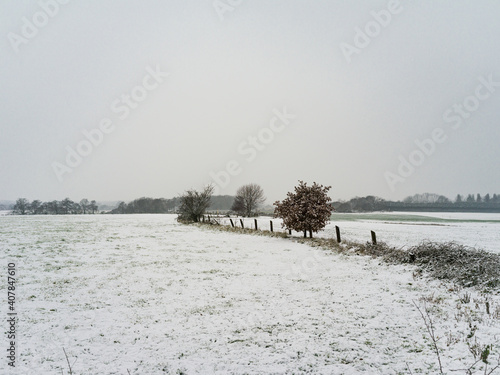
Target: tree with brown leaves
(305, 210)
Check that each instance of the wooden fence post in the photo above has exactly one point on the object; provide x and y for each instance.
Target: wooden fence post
(255, 224)
(290, 232)
(241, 221)
(374, 238)
(232, 224)
(271, 222)
(337, 229)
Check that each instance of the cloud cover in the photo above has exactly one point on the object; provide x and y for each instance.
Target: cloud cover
(223, 70)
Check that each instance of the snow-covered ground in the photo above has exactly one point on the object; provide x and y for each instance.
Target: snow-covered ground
(146, 295)
(477, 230)
(406, 229)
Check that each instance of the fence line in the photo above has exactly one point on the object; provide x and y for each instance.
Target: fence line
(225, 220)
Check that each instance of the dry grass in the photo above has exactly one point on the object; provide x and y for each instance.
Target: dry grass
(465, 266)
(226, 228)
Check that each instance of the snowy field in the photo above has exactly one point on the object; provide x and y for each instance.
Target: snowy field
(480, 230)
(141, 294)
(406, 229)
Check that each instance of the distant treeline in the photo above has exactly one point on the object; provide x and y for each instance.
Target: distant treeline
(138, 206)
(162, 206)
(418, 202)
(422, 202)
(64, 207)
(146, 206)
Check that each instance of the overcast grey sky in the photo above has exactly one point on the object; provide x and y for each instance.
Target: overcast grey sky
(121, 99)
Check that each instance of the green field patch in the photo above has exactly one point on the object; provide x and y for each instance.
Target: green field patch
(402, 218)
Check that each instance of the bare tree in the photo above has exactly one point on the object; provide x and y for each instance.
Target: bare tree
(54, 207)
(194, 204)
(93, 206)
(306, 210)
(36, 207)
(76, 208)
(84, 203)
(248, 199)
(67, 205)
(21, 207)
(238, 205)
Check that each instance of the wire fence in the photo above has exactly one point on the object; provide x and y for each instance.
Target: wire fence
(267, 224)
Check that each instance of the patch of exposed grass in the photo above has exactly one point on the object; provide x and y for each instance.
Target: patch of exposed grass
(227, 228)
(463, 265)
